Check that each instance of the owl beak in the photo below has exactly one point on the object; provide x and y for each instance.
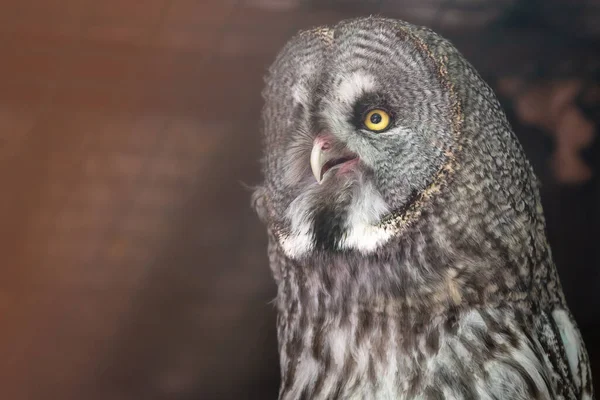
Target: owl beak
(324, 157)
(318, 158)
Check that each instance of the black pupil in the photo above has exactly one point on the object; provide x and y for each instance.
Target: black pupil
(376, 118)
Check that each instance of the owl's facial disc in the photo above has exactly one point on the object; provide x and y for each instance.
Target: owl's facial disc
(326, 158)
(356, 132)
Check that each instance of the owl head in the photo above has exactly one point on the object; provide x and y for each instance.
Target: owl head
(361, 124)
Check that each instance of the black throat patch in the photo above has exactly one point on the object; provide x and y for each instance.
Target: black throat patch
(329, 227)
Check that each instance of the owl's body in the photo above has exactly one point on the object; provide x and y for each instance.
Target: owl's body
(412, 262)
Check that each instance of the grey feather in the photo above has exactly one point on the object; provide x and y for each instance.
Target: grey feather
(423, 271)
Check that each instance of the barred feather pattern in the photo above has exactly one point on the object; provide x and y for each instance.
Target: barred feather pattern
(457, 296)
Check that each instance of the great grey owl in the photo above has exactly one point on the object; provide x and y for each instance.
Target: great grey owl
(406, 233)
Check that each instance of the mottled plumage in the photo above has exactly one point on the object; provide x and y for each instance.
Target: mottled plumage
(419, 267)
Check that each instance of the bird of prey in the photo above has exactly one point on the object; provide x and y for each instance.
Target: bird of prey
(406, 233)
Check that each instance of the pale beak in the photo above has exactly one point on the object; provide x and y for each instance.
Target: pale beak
(325, 156)
(318, 159)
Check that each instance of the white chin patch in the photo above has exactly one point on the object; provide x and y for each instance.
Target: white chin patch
(361, 232)
(365, 212)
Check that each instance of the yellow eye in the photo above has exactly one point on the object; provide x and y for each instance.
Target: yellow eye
(377, 120)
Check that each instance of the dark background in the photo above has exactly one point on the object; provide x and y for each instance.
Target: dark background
(132, 265)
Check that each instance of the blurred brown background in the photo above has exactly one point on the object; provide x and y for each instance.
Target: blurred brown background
(133, 266)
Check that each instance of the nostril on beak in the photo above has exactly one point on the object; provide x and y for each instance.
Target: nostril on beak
(323, 143)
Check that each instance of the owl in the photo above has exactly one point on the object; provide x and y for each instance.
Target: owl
(406, 232)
